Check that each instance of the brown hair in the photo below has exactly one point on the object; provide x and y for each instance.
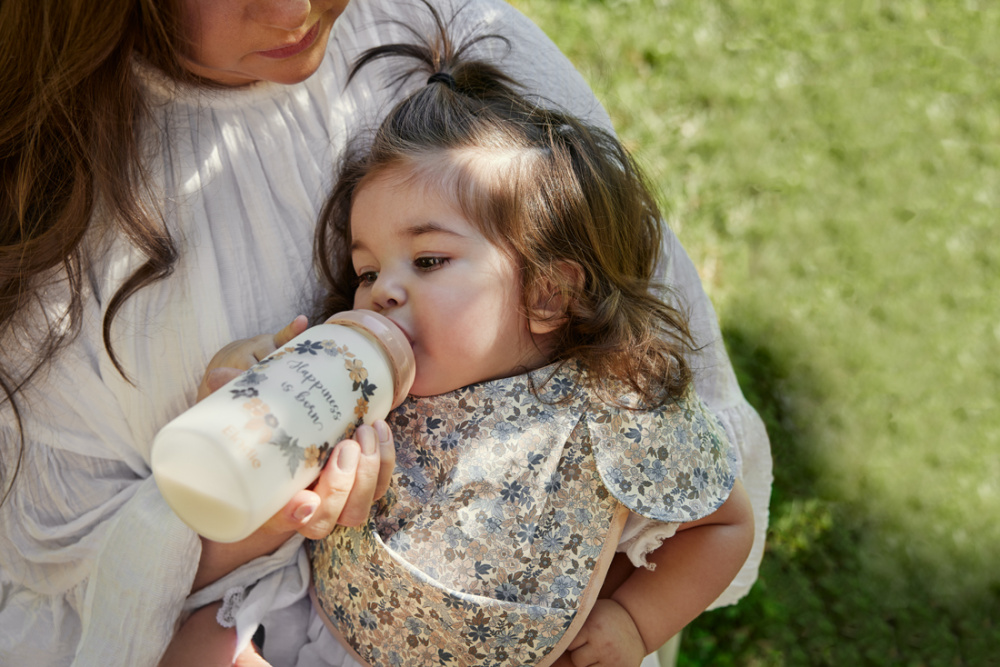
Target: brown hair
(71, 109)
(570, 195)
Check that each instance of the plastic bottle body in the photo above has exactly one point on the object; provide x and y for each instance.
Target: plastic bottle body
(233, 460)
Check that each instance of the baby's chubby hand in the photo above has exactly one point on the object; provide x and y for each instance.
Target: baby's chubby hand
(608, 638)
(241, 354)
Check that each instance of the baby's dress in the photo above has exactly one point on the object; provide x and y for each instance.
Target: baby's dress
(504, 513)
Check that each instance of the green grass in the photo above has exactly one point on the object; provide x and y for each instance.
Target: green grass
(833, 168)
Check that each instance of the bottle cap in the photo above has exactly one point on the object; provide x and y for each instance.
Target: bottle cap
(393, 341)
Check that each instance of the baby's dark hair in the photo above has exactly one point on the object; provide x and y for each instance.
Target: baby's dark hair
(563, 198)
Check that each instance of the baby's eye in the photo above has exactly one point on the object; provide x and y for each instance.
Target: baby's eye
(430, 263)
(367, 278)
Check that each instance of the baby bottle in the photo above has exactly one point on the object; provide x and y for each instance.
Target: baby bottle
(229, 463)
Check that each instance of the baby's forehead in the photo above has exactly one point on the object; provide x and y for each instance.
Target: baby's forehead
(452, 171)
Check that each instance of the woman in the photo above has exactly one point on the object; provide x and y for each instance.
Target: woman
(163, 165)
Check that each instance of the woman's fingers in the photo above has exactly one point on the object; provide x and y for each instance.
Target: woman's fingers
(359, 503)
(387, 457)
(357, 474)
(294, 328)
(317, 516)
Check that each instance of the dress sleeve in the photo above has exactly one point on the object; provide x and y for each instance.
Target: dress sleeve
(715, 383)
(89, 552)
(95, 568)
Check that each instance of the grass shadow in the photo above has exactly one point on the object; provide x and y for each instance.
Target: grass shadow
(818, 601)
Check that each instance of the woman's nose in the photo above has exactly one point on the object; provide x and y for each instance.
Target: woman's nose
(284, 14)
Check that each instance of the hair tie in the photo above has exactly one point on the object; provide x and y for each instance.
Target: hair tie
(442, 77)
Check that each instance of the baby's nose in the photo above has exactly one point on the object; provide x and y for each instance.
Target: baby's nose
(388, 293)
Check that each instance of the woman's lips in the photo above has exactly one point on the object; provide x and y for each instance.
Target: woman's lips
(293, 49)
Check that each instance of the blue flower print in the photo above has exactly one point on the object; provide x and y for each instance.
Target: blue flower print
(454, 537)
(449, 441)
(563, 586)
(616, 477)
(506, 591)
(494, 525)
(656, 471)
(508, 636)
(545, 417)
(562, 386)
(415, 626)
(526, 532)
(504, 431)
(249, 392)
(554, 484)
(494, 391)
(582, 516)
(251, 378)
(400, 542)
(552, 542)
(368, 620)
(479, 632)
(482, 569)
(514, 492)
(308, 347)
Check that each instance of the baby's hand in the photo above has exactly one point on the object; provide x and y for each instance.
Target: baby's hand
(240, 355)
(608, 638)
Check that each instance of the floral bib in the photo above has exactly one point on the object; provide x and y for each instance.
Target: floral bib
(504, 513)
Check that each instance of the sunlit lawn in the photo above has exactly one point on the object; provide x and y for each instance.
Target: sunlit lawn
(834, 170)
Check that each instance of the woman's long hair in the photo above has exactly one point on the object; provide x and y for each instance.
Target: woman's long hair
(71, 109)
(551, 190)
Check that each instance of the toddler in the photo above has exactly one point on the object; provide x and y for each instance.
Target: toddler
(515, 247)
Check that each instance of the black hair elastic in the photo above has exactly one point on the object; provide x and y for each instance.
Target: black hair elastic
(442, 77)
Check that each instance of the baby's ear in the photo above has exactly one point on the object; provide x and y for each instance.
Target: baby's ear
(550, 297)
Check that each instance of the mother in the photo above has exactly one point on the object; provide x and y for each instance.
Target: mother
(163, 163)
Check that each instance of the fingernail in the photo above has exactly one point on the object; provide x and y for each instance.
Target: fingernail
(383, 431)
(305, 511)
(347, 458)
(366, 438)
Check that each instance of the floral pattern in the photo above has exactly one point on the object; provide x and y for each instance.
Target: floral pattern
(501, 506)
(263, 420)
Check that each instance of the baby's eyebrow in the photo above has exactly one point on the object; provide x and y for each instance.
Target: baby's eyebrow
(430, 227)
(415, 230)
